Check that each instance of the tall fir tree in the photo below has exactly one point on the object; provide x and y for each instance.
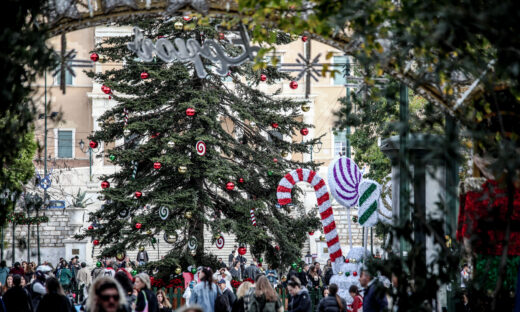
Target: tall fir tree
(246, 132)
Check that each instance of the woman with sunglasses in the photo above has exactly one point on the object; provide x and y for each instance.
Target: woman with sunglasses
(106, 295)
(54, 300)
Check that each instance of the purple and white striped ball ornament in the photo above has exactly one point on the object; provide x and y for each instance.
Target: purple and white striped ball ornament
(344, 178)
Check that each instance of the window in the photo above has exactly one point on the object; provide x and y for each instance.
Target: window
(340, 66)
(65, 144)
(340, 143)
(271, 59)
(68, 78)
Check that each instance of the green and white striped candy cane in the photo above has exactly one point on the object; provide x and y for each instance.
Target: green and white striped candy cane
(369, 200)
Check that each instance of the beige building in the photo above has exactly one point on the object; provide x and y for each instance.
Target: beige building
(84, 102)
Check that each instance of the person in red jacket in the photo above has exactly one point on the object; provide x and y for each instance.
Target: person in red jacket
(358, 300)
(17, 269)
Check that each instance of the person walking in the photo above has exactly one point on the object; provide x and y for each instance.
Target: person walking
(314, 278)
(205, 292)
(374, 299)
(243, 289)
(98, 270)
(272, 275)
(54, 300)
(84, 279)
(357, 303)
(128, 288)
(227, 292)
(37, 289)
(333, 302)
(8, 283)
(235, 271)
(65, 277)
(17, 269)
(146, 299)
(106, 295)
(231, 258)
(222, 303)
(4, 271)
(251, 270)
(265, 298)
(300, 300)
(164, 303)
(16, 298)
(302, 276)
(29, 273)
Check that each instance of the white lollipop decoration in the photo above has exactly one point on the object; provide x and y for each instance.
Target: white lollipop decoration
(344, 179)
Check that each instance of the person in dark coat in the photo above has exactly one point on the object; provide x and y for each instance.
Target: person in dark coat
(374, 297)
(143, 286)
(55, 300)
(226, 292)
(333, 302)
(251, 271)
(16, 298)
(300, 300)
(302, 276)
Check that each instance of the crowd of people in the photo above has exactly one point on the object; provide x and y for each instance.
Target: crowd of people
(110, 287)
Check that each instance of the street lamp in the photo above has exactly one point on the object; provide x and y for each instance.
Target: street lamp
(308, 258)
(88, 150)
(315, 148)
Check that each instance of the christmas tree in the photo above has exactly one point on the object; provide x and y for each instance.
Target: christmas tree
(198, 155)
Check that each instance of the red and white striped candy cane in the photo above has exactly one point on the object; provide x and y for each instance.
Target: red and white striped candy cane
(125, 112)
(283, 193)
(253, 218)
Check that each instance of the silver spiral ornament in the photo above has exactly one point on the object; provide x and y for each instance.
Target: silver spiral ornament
(124, 213)
(164, 212)
(201, 148)
(192, 243)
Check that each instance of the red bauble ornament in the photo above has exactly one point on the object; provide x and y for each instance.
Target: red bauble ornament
(157, 165)
(241, 180)
(106, 89)
(90, 227)
(354, 273)
(105, 184)
(311, 233)
(93, 144)
(138, 225)
(94, 57)
(305, 38)
(274, 125)
(263, 77)
(347, 260)
(230, 186)
(138, 194)
(190, 111)
(304, 131)
(242, 251)
(277, 248)
(186, 18)
(221, 36)
(95, 242)
(293, 85)
(144, 75)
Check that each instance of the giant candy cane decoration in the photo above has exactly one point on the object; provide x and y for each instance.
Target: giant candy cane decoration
(283, 193)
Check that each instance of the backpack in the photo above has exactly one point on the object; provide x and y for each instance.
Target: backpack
(222, 303)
